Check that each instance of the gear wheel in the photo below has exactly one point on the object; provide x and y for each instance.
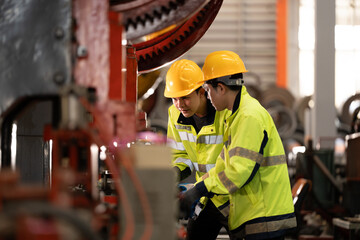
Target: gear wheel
(144, 17)
(163, 30)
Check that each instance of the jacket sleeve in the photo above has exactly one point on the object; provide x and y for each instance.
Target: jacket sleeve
(246, 141)
(180, 158)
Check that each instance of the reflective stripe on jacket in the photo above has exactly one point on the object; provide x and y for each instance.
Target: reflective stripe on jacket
(252, 168)
(197, 151)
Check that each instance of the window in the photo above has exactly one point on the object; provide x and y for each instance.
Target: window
(347, 49)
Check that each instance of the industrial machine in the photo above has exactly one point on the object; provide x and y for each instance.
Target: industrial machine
(72, 156)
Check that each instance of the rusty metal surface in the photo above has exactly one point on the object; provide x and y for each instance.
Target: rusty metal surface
(92, 36)
(35, 54)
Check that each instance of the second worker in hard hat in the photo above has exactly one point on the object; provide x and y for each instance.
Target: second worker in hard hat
(195, 134)
(252, 167)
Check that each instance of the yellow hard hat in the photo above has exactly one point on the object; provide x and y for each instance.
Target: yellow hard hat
(222, 63)
(183, 77)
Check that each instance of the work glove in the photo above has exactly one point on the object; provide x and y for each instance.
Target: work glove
(181, 175)
(189, 199)
(183, 187)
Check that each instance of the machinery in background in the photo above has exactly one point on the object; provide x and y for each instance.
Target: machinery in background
(333, 172)
(72, 158)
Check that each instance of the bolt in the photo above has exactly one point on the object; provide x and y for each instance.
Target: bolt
(59, 78)
(59, 33)
(82, 51)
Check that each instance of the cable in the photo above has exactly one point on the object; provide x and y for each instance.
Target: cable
(126, 206)
(142, 195)
(44, 208)
(130, 229)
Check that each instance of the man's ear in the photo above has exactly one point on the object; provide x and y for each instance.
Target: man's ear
(221, 88)
(202, 91)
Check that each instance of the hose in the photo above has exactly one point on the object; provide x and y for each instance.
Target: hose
(46, 209)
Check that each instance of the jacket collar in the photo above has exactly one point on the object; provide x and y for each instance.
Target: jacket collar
(237, 101)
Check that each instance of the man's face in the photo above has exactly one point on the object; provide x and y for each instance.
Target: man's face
(188, 105)
(214, 97)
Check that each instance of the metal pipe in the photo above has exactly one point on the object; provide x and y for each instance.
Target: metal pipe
(327, 173)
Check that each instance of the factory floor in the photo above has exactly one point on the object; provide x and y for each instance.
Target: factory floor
(223, 235)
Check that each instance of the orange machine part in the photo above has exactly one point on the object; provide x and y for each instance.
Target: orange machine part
(116, 88)
(123, 81)
(131, 74)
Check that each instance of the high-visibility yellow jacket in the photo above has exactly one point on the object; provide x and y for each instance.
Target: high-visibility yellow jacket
(197, 151)
(252, 168)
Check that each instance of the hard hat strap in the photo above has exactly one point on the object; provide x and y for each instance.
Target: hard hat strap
(228, 80)
(234, 82)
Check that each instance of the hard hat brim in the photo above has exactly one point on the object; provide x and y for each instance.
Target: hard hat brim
(182, 93)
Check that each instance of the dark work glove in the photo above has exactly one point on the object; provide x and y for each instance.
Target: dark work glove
(190, 198)
(181, 175)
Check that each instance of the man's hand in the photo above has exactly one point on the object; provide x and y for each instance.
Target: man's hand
(188, 199)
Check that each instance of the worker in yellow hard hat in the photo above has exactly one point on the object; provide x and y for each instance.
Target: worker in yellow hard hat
(195, 134)
(252, 167)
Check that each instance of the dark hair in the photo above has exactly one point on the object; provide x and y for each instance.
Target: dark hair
(198, 89)
(215, 81)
